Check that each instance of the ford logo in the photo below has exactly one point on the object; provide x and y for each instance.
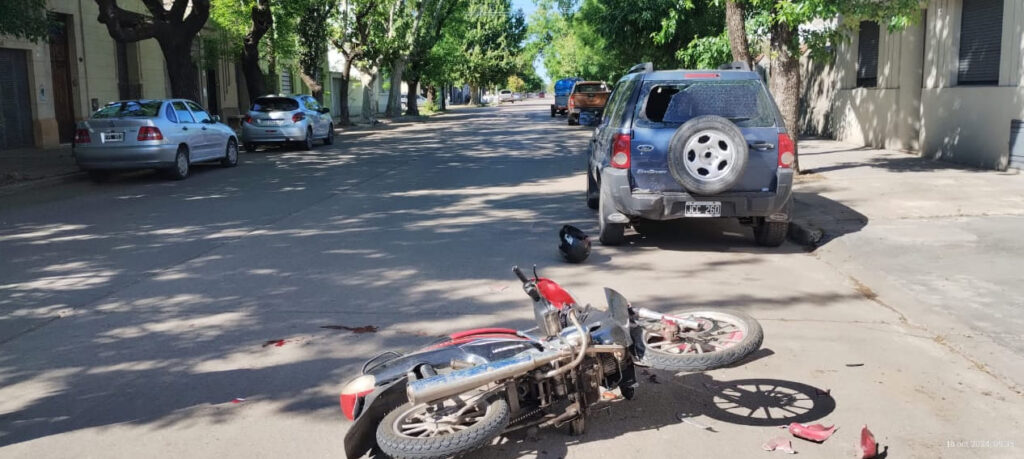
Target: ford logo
(645, 148)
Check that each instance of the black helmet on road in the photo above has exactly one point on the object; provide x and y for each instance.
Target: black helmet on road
(574, 244)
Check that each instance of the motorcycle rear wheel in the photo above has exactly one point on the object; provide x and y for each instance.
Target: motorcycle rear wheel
(725, 338)
(438, 430)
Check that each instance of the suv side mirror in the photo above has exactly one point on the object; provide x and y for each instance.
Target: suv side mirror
(325, 110)
(215, 119)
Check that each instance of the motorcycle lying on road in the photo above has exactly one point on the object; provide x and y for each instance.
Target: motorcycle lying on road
(460, 393)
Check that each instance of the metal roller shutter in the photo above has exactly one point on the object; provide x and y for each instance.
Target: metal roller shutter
(981, 31)
(15, 111)
(867, 55)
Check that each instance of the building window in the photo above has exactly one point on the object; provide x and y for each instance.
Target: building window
(981, 33)
(286, 82)
(867, 55)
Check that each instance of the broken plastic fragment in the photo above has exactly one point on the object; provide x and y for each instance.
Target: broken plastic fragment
(609, 395)
(238, 400)
(274, 342)
(814, 432)
(356, 330)
(868, 446)
(779, 444)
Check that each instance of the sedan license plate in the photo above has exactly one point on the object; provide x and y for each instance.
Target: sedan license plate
(113, 137)
(703, 209)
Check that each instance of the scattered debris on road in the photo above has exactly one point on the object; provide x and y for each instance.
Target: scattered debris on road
(814, 432)
(274, 342)
(685, 417)
(238, 400)
(855, 365)
(779, 444)
(356, 330)
(868, 446)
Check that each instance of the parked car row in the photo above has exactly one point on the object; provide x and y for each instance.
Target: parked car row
(171, 135)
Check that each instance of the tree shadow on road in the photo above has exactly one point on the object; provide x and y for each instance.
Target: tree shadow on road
(662, 405)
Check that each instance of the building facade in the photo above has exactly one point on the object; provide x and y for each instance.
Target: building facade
(46, 87)
(945, 88)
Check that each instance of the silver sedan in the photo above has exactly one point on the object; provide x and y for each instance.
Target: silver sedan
(169, 135)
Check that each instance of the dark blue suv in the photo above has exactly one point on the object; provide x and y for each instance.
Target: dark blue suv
(691, 144)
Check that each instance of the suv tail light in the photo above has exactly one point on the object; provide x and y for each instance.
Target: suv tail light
(82, 136)
(298, 117)
(620, 151)
(787, 151)
(150, 133)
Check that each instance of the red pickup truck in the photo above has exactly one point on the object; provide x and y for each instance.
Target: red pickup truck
(587, 96)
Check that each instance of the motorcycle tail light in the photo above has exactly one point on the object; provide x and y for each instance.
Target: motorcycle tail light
(353, 393)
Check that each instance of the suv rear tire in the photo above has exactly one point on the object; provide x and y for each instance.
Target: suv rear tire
(770, 234)
(720, 161)
(608, 233)
(593, 192)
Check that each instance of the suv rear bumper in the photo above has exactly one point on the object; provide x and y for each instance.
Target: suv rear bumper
(774, 206)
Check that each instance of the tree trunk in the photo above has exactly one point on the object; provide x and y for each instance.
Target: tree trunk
(785, 79)
(262, 21)
(735, 22)
(344, 118)
(474, 95)
(444, 96)
(410, 102)
(181, 72)
(432, 95)
(394, 107)
(370, 95)
(316, 88)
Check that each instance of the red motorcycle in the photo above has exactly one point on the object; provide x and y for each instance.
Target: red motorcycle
(460, 393)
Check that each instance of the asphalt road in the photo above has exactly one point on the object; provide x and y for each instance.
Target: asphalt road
(134, 314)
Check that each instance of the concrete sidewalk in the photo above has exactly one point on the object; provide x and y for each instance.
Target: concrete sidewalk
(25, 165)
(938, 243)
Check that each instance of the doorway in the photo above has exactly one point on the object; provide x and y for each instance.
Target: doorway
(212, 94)
(60, 67)
(15, 111)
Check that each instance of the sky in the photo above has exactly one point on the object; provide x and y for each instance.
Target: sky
(528, 7)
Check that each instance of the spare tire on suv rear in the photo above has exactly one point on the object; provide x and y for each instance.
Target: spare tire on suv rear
(707, 155)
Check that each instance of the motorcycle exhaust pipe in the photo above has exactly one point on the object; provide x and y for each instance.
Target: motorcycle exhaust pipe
(457, 382)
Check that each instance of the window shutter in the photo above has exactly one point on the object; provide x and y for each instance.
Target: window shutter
(981, 32)
(867, 55)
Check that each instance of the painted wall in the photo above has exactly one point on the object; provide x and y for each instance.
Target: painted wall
(917, 105)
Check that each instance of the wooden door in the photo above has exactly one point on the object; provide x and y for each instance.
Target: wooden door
(60, 67)
(15, 110)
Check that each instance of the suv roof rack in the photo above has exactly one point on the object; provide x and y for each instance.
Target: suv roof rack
(645, 67)
(736, 65)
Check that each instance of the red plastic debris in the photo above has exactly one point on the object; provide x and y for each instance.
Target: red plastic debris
(814, 432)
(779, 444)
(274, 342)
(238, 400)
(868, 446)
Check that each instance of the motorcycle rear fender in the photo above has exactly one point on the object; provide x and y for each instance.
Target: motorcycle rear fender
(362, 436)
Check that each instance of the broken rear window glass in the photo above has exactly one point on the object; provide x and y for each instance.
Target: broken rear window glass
(744, 102)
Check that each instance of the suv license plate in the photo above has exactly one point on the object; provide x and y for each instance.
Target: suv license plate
(703, 209)
(113, 137)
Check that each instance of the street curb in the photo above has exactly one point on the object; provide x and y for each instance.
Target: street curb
(805, 234)
(42, 182)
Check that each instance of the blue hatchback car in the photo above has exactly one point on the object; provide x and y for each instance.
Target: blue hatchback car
(691, 144)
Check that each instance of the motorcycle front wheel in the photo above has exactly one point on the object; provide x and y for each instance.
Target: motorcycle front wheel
(724, 338)
(442, 429)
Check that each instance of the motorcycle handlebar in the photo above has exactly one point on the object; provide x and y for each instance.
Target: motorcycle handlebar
(519, 274)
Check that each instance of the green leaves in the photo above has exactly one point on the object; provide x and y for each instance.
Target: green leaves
(26, 19)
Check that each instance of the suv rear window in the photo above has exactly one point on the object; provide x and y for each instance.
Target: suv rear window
(591, 88)
(274, 104)
(130, 109)
(671, 103)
